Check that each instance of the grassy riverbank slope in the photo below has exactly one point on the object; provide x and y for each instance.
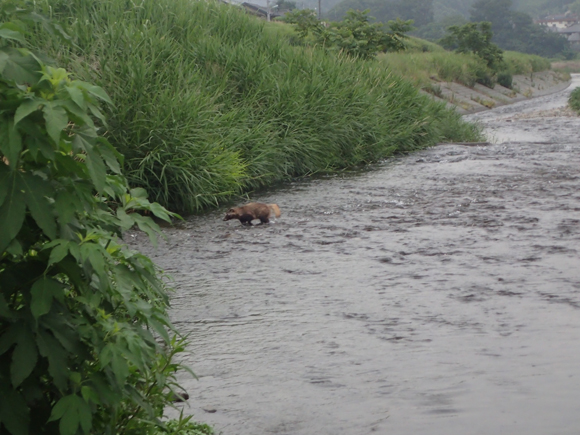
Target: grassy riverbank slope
(437, 65)
(208, 103)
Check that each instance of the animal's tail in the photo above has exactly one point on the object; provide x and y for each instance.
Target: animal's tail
(275, 209)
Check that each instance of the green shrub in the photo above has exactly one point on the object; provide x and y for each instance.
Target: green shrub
(475, 38)
(505, 79)
(354, 36)
(574, 100)
(85, 342)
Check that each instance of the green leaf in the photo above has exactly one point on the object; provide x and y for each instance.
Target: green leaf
(56, 120)
(93, 253)
(11, 143)
(72, 410)
(19, 66)
(51, 349)
(159, 211)
(58, 252)
(11, 31)
(4, 308)
(94, 163)
(14, 412)
(14, 248)
(5, 174)
(85, 416)
(62, 406)
(35, 192)
(77, 96)
(98, 92)
(120, 367)
(11, 34)
(66, 206)
(29, 106)
(24, 357)
(36, 140)
(139, 192)
(110, 155)
(12, 213)
(42, 293)
(148, 226)
(8, 338)
(160, 329)
(90, 395)
(125, 220)
(4, 58)
(78, 115)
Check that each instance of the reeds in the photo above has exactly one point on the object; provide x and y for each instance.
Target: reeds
(209, 103)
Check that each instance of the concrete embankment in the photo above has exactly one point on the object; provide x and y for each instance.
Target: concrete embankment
(479, 98)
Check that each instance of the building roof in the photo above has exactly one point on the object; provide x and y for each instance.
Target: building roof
(561, 18)
(259, 10)
(574, 28)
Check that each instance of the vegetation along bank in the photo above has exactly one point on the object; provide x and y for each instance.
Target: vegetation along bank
(208, 104)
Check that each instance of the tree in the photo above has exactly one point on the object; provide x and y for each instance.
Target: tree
(475, 38)
(354, 36)
(575, 7)
(514, 30)
(305, 22)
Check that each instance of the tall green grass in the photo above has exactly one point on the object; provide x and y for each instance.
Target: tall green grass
(208, 102)
(422, 67)
(446, 66)
(520, 63)
(574, 100)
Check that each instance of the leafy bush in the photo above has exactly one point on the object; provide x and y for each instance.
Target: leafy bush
(85, 342)
(574, 100)
(505, 79)
(354, 36)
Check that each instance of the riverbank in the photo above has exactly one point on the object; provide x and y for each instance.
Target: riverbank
(208, 106)
(479, 98)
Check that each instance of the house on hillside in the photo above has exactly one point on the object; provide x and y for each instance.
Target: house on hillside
(260, 11)
(558, 22)
(567, 24)
(573, 34)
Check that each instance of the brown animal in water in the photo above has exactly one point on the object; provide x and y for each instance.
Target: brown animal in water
(254, 210)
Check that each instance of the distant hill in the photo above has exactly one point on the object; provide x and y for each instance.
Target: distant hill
(385, 10)
(420, 11)
(448, 8)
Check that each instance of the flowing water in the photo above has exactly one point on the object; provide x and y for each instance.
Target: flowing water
(437, 293)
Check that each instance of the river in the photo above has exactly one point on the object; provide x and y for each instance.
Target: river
(436, 293)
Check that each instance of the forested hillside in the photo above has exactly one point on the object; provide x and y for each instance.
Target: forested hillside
(425, 11)
(512, 28)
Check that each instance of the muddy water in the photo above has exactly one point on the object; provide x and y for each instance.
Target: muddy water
(437, 293)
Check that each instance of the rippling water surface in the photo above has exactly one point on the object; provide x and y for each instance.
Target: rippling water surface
(437, 293)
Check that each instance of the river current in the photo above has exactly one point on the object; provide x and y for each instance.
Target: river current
(435, 293)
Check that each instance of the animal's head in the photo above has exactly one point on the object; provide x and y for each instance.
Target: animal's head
(231, 214)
